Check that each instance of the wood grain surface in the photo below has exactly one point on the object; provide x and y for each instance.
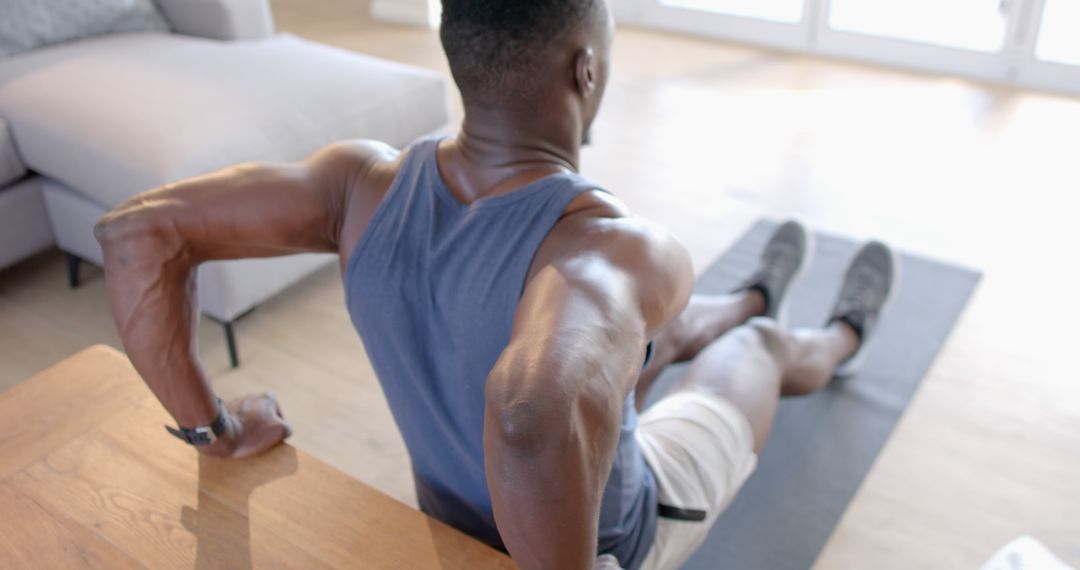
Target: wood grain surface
(92, 480)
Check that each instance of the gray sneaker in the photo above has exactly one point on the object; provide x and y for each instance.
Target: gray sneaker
(868, 288)
(783, 261)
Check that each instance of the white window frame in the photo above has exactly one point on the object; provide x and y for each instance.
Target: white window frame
(1016, 64)
(1033, 72)
(742, 29)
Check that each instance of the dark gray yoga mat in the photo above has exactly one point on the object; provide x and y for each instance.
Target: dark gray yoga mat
(822, 445)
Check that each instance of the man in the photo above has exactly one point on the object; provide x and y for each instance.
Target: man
(507, 306)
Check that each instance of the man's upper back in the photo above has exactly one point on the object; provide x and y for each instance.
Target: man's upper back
(432, 285)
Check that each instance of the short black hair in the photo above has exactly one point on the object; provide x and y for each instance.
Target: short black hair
(495, 47)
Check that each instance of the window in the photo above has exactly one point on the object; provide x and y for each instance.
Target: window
(1059, 35)
(790, 11)
(1003, 41)
(977, 25)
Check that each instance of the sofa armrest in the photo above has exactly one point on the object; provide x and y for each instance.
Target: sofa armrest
(11, 166)
(220, 19)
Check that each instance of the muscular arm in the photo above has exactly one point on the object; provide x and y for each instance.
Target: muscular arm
(555, 397)
(153, 243)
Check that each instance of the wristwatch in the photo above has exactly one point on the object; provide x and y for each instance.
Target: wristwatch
(202, 435)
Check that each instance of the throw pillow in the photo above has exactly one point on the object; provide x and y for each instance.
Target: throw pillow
(30, 24)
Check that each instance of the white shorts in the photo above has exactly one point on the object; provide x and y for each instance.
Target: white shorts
(701, 449)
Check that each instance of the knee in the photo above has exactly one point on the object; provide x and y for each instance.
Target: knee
(768, 334)
(766, 327)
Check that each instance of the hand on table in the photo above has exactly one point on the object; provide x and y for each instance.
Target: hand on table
(254, 425)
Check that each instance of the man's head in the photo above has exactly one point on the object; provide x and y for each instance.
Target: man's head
(529, 55)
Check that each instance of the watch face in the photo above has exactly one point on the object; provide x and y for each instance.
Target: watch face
(202, 436)
(197, 436)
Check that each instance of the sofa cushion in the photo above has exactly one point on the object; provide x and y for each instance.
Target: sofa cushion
(11, 167)
(30, 24)
(220, 19)
(114, 116)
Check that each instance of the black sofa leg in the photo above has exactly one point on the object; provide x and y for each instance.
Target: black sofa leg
(230, 340)
(73, 263)
(230, 336)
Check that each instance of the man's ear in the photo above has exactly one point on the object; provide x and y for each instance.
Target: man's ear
(585, 71)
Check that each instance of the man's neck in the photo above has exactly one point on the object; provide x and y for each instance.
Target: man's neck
(498, 152)
(503, 140)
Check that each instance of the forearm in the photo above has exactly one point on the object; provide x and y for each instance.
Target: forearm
(154, 242)
(151, 278)
(546, 496)
(551, 429)
(151, 289)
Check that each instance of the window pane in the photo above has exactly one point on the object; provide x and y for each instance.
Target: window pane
(977, 25)
(776, 10)
(1059, 39)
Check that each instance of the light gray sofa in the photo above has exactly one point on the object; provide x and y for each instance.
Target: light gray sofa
(87, 124)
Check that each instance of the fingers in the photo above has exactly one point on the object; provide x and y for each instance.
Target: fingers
(287, 428)
(262, 441)
(274, 406)
(277, 405)
(264, 425)
(275, 411)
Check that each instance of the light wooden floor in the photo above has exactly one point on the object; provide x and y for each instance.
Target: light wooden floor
(705, 137)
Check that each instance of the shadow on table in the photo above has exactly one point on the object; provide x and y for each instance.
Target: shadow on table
(221, 523)
(448, 551)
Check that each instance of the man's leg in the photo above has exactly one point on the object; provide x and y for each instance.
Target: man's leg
(755, 364)
(705, 319)
(702, 439)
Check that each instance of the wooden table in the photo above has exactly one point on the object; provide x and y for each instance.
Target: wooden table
(89, 478)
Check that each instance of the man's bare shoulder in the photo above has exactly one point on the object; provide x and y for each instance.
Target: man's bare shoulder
(598, 222)
(352, 158)
(598, 227)
(359, 172)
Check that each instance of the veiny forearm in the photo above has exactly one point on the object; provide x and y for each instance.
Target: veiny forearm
(151, 289)
(154, 242)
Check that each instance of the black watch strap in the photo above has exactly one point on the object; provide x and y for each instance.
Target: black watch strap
(202, 435)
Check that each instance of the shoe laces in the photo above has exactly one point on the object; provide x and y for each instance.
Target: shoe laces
(863, 292)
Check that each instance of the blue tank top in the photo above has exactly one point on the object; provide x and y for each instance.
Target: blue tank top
(432, 288)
